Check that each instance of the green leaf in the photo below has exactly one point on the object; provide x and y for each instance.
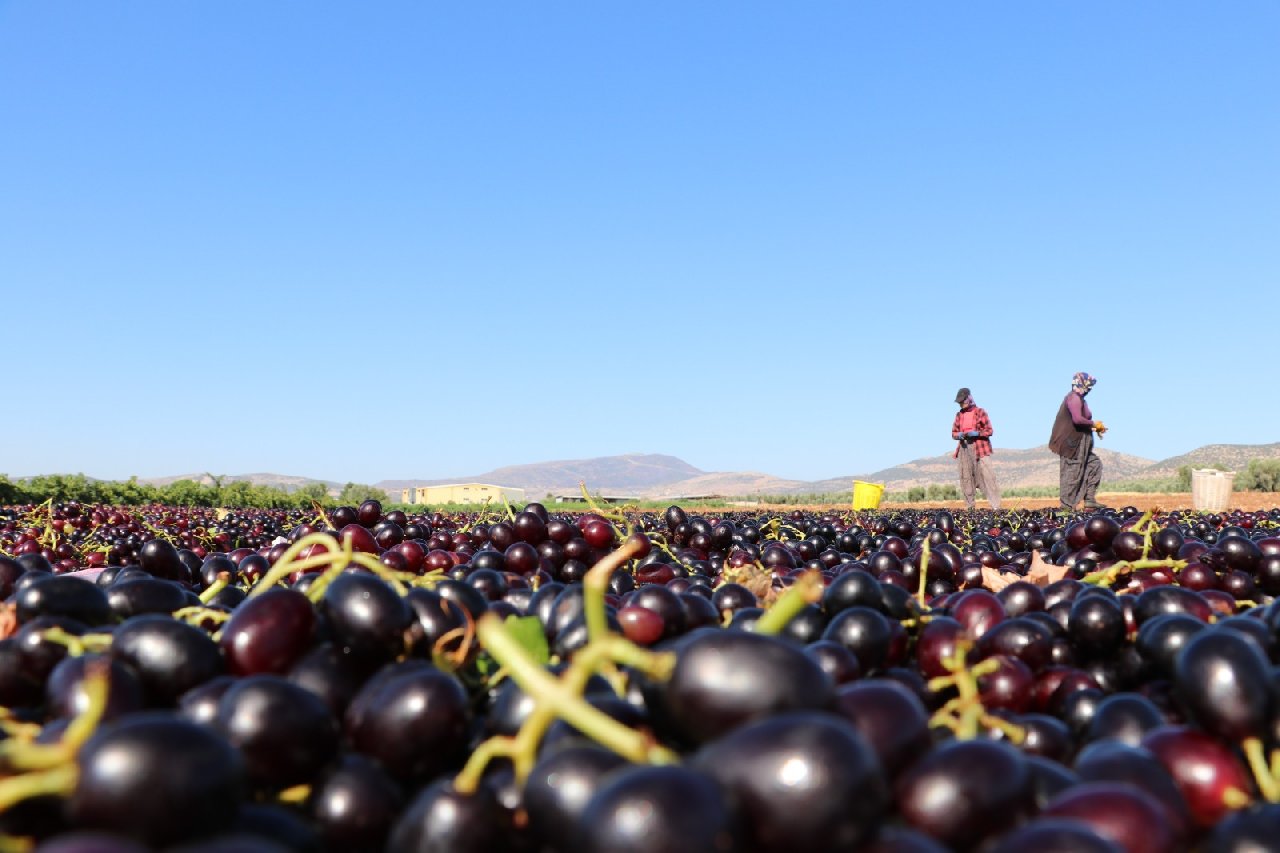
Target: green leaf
(527, 631)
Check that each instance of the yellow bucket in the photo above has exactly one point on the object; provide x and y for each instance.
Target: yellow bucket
(867, 495)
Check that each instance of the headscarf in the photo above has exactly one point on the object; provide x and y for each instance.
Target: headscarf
(1082, 382)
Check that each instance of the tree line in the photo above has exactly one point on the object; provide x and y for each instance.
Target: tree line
(64, 488)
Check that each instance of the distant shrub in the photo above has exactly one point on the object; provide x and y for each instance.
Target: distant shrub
(939, 492)
(1262, 475)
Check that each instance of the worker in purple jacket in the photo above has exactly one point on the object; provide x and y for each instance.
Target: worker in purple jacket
(1079, 468)
(972, 429)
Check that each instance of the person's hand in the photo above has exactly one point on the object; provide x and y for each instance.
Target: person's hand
(971, 435)
(1099, 427)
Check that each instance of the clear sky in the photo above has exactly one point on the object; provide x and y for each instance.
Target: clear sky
(360, 241)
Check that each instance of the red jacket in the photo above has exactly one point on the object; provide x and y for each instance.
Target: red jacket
(981, 423)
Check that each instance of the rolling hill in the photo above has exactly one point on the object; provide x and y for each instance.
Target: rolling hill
(658, 476)
(1232, 457)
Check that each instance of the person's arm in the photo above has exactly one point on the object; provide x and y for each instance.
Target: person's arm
(984, 424)
(955, 427)
(1075, 407)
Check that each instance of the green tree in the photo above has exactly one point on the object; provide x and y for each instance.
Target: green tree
(354, 494)
(187, 493)
(317, 492)
(1262, 475)
(239, 493)
(10, 493)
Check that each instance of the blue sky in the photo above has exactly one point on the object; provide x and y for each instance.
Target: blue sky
(403, 239)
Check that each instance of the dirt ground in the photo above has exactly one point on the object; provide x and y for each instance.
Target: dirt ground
(1143, 501)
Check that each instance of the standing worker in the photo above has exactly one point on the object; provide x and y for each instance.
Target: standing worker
(1079, 468)
(972, 428)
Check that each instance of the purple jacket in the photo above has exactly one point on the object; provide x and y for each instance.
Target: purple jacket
(1073, 422)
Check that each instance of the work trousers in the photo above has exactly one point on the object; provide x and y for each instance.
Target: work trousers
(976, 471)
(1080, 474)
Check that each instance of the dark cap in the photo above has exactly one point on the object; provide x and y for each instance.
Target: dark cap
(962, 395)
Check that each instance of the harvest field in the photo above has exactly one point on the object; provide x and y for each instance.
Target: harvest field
(358, 679)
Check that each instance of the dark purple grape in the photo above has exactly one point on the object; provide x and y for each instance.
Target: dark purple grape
(442, 819)
(285, 732)
(146, 595)
(354, 805)
(334, 673)
(63, 596)
(964, 791)
(1169, 599)
(1056, 835)
(1096, 625)
(1114, 761)
(1125, 717)
(160, 558)
(170, 657)
(461, 593)
(287, 826)
(269, 632)
(865, 632)
(665, 603)
(1045, 736)
(20, 686)
(902, 839)
(200, 703)
(1203, 768)
(801, 780)
(88, 841)
(836, 661)
(1048, 779)
(889, 717)
(66, 695)
(699, 612)
(433, 617)
(559, 787)
(807, 626)
(1251, 831)
(1122, 813)
(1224, 682)
(1022, 638)
(853, 589)
(157, 778)
(723, 679)
(1161, 638)
(367, 614)
(412, 720)
(684, 810)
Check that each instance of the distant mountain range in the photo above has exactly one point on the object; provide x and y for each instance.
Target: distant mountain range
(652, 475)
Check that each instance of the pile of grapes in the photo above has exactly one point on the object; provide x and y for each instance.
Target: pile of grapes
(359, 680)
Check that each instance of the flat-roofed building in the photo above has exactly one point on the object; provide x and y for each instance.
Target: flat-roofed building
(461, 493)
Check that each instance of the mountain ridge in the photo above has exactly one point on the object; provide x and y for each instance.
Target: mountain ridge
(1036, 466)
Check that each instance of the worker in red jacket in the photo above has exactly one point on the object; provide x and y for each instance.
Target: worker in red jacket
(972, 429)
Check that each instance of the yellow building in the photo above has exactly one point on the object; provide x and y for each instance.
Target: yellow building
(461, 493)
